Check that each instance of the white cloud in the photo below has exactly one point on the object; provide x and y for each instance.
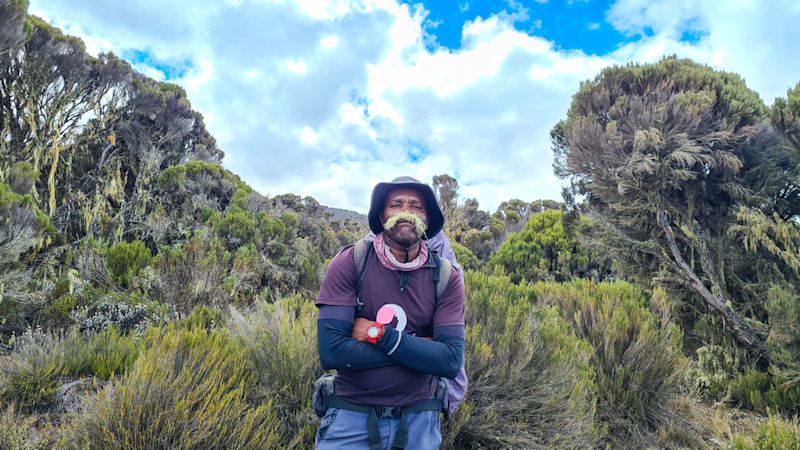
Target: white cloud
(296, 66)
(328, 97)
(329, 42)
(755, 39)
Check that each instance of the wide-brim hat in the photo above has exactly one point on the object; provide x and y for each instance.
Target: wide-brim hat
(435, 216)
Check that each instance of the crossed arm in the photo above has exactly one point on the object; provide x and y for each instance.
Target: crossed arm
(342, 345)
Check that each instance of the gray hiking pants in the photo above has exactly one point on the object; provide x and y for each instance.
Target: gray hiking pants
(344, 429)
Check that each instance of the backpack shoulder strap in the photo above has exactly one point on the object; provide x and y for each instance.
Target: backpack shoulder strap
(361, 250)
(441, 275)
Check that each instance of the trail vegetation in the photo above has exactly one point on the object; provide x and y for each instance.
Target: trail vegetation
(149, 298)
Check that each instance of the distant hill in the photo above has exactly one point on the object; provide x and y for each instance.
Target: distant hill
(340, 215)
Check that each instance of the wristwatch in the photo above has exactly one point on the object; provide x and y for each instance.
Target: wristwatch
(374, 333)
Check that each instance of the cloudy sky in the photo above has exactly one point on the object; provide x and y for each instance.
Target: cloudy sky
(327, 97)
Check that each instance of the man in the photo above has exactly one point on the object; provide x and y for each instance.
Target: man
(387, 331)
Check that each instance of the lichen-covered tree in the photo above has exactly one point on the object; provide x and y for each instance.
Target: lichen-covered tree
(668, 156)
(12, 16)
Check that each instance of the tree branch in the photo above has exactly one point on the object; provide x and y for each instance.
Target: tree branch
(742, 332)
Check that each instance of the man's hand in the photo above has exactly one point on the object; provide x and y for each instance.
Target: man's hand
(360, 326)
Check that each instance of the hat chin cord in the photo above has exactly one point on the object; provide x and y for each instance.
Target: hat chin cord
(405, 248)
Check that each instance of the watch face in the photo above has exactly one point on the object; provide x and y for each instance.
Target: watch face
(372, 332)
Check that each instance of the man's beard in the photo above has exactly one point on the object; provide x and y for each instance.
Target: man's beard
(413, 219)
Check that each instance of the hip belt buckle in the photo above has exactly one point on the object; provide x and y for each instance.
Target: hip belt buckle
(389, 412)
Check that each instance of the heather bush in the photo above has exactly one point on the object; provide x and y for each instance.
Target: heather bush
(192, 273)
(547, 250)
(281, 339)
(531, 381)
(772, 434)
(125, 260)
(783, 305)
(465, 257)
(21, 432)
(637, 358)
(762, 392)
(189, 389)
(41, 363)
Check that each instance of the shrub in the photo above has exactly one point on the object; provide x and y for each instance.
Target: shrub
(637, 358)
(20, 432)
(236, 226)
(192, 273)
(783, 305)
(465, 257)
(531, 381)
(123, 315)
(125, 260)
(547, 250)
(40, 363)
(282, 341)
(188, 390)
(762, 392)
(774, 434)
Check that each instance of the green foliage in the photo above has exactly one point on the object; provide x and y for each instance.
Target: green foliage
(22, 432)
(677, 165)
(282, 343)
(480, 243)
(547, 251)
(637, 357)
(716, 367)
(465, 257)
(172, 178)
(783, 305)
(189, 389)
(762, 392)
(21, 178)
(192, 273)
(205, 318)
(40, 363)
(785, 115)
(125, 260)
(531, 380)
(237, 226)
(773, 434)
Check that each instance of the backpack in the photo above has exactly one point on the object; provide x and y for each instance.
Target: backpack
(456, 388)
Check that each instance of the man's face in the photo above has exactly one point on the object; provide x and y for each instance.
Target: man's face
(406, 201)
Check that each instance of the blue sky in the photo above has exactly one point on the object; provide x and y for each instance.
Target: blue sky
(571, 25)
(327, 97)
